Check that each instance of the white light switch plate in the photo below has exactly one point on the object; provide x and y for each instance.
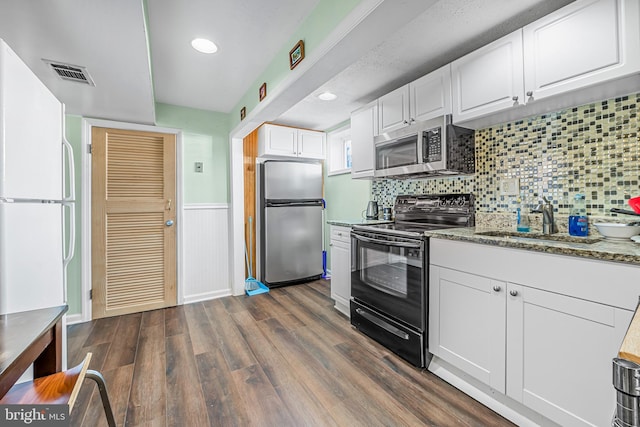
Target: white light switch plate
(510, 187)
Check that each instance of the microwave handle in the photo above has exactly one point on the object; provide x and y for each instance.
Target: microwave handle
(388, 243)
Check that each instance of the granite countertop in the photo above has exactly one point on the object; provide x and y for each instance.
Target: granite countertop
(602, 249)
(350, 222)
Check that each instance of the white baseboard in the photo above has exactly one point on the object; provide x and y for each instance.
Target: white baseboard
(508, 408)
(72, 319)
(205, 296)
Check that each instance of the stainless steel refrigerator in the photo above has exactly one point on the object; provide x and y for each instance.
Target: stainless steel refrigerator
(290, 222)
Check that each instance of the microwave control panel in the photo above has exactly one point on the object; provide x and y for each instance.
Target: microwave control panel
(432, 145)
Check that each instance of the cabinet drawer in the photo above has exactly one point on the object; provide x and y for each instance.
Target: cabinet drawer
(342, 234)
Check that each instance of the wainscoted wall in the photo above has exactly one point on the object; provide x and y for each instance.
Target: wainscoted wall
(205, 252)
(592, 149)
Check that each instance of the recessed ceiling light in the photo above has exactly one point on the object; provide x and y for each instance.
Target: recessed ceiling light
(327, 96)
(204, 45)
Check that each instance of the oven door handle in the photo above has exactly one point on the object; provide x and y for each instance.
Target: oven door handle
(384, 325)
(388, 243)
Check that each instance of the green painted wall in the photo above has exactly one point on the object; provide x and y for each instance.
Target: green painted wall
(346, 199)
(313, 31)
(73, 132)
(205, 139)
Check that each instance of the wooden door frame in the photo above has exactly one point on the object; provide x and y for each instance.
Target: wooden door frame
(85, 205)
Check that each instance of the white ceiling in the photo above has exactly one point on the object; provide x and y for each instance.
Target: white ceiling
(112, 40)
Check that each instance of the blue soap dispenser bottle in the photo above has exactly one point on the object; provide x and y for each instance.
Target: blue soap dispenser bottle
(578, 221)
(522, 218)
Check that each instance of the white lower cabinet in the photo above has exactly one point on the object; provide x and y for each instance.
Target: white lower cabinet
(341, 267)
(546, 349)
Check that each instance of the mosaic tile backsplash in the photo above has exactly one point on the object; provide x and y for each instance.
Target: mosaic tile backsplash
(592, 149)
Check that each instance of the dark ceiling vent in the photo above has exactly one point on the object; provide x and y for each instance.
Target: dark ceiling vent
(72, 73)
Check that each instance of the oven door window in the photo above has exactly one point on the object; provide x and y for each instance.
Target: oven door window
(390, 279)
(402, 152)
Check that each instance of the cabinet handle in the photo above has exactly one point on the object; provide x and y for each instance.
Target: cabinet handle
(340, 234)
(497, 288)
(514, 98)
(412, 120)
(330, 244)
(530, 94)
(513, 293)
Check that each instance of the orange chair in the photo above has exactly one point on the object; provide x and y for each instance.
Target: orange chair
(59, 389)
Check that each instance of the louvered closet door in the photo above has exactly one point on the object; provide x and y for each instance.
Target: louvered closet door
(133, 211)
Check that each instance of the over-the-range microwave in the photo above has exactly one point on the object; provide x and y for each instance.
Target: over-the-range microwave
(423, 149)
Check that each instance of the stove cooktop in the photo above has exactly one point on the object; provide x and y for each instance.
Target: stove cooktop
(417, 214)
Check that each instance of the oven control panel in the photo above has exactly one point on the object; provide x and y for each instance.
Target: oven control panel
(434, 202)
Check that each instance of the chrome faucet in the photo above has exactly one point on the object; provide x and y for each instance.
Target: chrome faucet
(546, 209)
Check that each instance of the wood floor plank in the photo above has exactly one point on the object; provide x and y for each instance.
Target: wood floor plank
(122, 352)
(103, 331)
(285, 358)
(224, 402)
(298, 398)
(235, 350)
(185, 402)
(323, 286)
(204, 337)
(99, 352)
(262, 404)
(330, 390)
(118, 382)
(148, 396)
(175, 321)
(378, 401)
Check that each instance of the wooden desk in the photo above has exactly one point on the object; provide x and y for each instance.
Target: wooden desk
(30, 337)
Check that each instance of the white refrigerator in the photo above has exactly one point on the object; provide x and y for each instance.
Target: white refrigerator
(36, 191)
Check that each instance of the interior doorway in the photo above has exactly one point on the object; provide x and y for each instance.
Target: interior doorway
(133, 221)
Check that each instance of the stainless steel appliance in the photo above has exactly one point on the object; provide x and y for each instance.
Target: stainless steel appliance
(430, 148)
(389, 271)
(372, 210)
(290, 222)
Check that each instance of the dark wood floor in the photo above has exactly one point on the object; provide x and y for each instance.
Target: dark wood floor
(285, 358)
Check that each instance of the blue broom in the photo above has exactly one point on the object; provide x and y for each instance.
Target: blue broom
(252, 286)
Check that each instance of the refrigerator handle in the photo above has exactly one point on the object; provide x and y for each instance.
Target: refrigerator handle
(71, 168)
(70, 248)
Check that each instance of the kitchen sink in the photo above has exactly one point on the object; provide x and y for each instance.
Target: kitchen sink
(539, 236)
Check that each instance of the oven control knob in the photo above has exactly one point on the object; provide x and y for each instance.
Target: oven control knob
(460, 201)
(442, 202)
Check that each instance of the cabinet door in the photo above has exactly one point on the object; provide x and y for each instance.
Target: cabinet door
(430, 96)
(341, 274)
(489, 79)
(279, 141)
(311, 144)
(467, 323)
(393, 110)
(559, 352)
(364, 125)
(584, 43)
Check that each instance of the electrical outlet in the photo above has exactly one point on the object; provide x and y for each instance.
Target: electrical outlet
(510, 187)
(198, 166)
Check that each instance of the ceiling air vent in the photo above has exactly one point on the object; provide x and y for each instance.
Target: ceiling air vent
(72, 73)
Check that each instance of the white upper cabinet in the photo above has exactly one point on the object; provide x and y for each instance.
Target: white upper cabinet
(393, 110)
(423, 99)
(584, 43)
(282, 141)
(430, 96)
(489, 79)
(311, 144)
(364, 127)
